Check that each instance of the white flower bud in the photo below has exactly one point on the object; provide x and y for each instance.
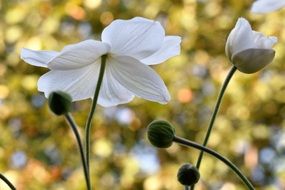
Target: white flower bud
(248, 50)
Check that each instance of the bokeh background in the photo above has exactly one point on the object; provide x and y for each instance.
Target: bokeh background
(38, 150)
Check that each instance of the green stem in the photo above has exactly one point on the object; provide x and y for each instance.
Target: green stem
(216, 109)
(92, 110)
(235, 169)
(7, 182)
(186, 187)
(73, 126)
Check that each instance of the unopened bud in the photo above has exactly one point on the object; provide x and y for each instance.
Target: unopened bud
(59, 102)
(248, 50)
(161, 133)
(188, 175)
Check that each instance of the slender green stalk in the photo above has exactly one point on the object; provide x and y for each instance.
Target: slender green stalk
(186, 187)
(92, 110)
(213, 118)
(7, 182)
(73, 126)
(235, 169)
(216, 109)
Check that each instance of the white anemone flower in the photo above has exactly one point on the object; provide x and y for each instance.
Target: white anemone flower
(248, 50)
(266, 6)
(130, 45)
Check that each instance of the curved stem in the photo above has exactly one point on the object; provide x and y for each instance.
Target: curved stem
(73, 126)
(235, 169)
(92, 110)
(7, 182)
(216, 109)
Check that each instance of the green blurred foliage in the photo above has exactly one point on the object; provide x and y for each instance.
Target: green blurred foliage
(38, 150)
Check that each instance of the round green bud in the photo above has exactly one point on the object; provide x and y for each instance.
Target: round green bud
(160, 133)
(188, 174)
(59, 102)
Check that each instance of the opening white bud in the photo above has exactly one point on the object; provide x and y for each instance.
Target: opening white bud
(248, 50)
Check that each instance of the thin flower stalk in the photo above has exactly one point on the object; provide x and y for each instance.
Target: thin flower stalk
(234, 168)
(73, 126)
(213, 118)
(92, 111)
(7, 182)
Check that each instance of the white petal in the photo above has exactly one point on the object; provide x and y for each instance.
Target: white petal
(37, 58)
(79, 55)
(79, 83)
(262, 41)
(138, 78)
(270, 41)
(169, 48)
(112, 92)
(138, 37)
(240, 38)
(265, 6)
(252, 60)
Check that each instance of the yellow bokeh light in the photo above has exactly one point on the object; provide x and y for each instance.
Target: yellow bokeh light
(201, 57)
(13, 33)
(92, 4)
(34, 43)
(50, 25)
(106, 18)
(152, 183)
(3, 69)
(228, 186)
(16, 15)
(5, 111)
(30, 82)
(4, 91)
(102, 147)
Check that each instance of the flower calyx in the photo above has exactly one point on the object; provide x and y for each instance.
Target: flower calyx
(160, 133)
